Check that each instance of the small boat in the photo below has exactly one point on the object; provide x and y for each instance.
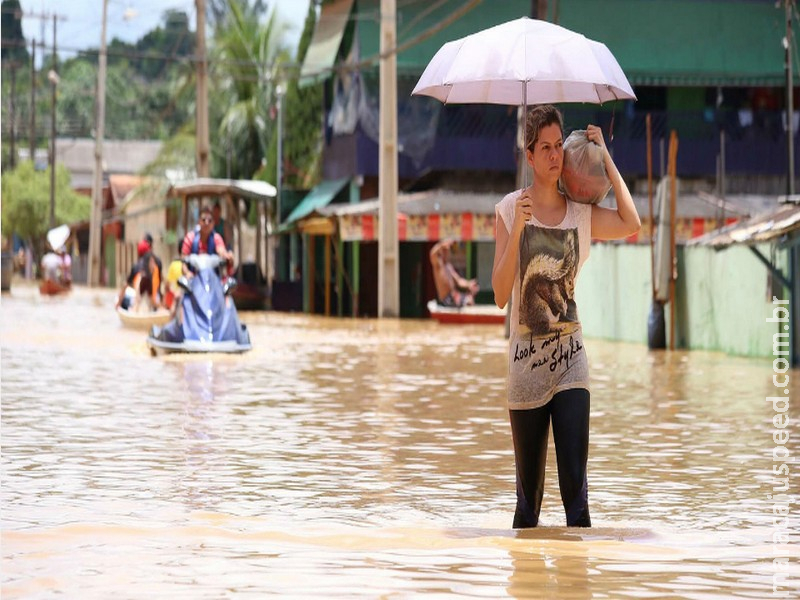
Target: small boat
(474, 314)
(144, 319)
(49, 287)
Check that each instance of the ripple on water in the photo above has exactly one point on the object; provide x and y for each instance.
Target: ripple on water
(362, 458)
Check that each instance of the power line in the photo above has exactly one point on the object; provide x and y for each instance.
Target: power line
(285, 66)
(19, 13)
(135, 54)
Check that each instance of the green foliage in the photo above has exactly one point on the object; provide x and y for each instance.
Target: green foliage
(26, 201)
(177, 155)
(75, 106)
(145, 98)
(153, 98)
(302, 126)
(247, 56)
(173, 39)
(218, 11)
(14, 48)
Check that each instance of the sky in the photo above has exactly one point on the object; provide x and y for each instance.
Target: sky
(128, 20)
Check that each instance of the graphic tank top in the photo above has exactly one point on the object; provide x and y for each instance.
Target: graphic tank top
(546, 354)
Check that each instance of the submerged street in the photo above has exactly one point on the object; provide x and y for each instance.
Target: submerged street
(349, 458)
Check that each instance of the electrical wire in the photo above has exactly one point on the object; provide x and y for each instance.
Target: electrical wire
(134, 54)
(282, 66)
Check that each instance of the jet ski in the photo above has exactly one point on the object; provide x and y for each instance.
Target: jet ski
(206, 318)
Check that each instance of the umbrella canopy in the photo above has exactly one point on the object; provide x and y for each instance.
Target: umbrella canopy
(58, 236)
(522, 62)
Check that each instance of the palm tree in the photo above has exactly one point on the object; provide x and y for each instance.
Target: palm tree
(247, 58)
(302, 124)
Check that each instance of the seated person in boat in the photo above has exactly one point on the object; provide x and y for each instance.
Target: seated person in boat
(451, 288)
(149, 239)
(204, 240)
(56, 267)
(66, 265)
(143, 283)
(172, 292)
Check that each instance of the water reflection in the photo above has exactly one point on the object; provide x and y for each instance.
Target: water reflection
(355, 459)
(204, 416)
(548, 572)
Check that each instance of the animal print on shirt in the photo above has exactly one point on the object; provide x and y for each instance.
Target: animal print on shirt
(548, 264)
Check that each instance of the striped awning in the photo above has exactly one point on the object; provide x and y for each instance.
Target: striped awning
(424, 216)
(466, 227)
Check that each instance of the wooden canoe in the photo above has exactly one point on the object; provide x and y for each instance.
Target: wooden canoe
(48, 287)
(475, 314)
(143, 319)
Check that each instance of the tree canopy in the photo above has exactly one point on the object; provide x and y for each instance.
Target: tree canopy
(303, 127)
(14, 48)
(246, 59)
(26, 201)
(218, 11)
(151, 92)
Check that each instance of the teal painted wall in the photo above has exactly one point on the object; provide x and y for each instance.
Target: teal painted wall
(723, 300)
(613, 292)
(722, 297)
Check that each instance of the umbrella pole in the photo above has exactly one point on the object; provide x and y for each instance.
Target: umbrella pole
(525, 133)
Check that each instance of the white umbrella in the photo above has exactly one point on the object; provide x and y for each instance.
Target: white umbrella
(58, 236)
(522, 62)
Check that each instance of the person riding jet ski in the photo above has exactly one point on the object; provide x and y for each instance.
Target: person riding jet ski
(204, 240)
(206, 319)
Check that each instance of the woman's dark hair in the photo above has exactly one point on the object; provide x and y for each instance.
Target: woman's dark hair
(538, 117)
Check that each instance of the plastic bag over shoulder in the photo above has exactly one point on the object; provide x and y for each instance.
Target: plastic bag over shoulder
(584, 176)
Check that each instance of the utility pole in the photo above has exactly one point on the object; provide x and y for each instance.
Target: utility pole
(42, 17)
(279, 175)
(95, 226)
(202, 150)
(53, 77)
(32, 138)
(388, 246)
(787, 44)
(279, 91)
(12, 114)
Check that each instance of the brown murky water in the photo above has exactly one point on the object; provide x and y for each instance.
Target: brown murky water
(368, 459)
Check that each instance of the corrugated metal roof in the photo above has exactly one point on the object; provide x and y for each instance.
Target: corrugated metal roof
(702, 205)
(765, 227)
(424, 203)
(121, 186)
(316, 200)
(690, 205)
(243, 188)
(119, 157)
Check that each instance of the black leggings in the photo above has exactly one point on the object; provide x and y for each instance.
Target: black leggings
(570, 415)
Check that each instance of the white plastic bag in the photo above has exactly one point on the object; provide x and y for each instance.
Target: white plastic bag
(584, 177)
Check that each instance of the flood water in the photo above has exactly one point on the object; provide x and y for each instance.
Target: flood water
(368, 459)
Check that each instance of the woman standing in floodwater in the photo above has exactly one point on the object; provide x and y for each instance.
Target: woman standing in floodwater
(542, 241)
